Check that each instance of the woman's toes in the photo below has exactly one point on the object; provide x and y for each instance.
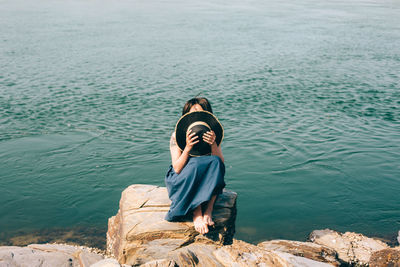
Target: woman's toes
(205, 229)
(208, 220)
(198, 223)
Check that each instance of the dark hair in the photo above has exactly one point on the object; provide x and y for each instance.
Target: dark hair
(202, 101)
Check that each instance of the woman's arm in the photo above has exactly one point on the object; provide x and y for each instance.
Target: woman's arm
(178, 157)
(216, 150)
(209, 137)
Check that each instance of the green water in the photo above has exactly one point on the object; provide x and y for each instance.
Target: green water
(308, 93)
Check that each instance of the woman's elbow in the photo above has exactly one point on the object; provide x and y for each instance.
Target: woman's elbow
(176, 169)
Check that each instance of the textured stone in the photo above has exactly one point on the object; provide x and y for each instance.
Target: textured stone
(106, 263)
(398, 238)
(243, 254)
(385, 257)
(47, 255)
(353, 248)
(139, 233)
(196, 254)
(239, 253)
(160, 263)
(296, 261)
(303, 249)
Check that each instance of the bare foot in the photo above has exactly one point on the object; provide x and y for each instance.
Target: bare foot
(207, 218)
(199, 224)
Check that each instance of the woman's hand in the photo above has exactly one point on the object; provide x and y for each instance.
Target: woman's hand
(191, 140)
(209, 137)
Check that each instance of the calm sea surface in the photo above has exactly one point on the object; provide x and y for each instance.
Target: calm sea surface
(308, 93)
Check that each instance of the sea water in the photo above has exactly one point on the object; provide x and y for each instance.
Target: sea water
(308, 93)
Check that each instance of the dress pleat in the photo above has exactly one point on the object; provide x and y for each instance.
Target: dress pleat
(201, 178)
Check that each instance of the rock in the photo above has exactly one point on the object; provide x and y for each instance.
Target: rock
(106, 263)
(160, 263)
(48, 255)
(139, 233)
(353, 248)
(301, 261)
(196, 255)
(398, 238)
(244, 254)
(385, 257)
(303, 249)
(239, 253)
(109, 262)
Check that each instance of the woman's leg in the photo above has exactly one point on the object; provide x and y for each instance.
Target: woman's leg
(199, 224)
(207, 217)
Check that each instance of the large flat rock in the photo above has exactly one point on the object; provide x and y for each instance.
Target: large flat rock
(352, 248)
(303, 249)
(139, 233)
(238, 254)
(47, 255)
(243, 254)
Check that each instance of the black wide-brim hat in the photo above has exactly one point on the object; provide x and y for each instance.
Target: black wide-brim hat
(200, 122)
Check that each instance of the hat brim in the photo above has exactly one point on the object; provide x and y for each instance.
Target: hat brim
(186, 120)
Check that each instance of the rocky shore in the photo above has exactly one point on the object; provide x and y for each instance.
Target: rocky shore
(138, 235)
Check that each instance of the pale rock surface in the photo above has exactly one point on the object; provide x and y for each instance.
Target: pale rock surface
(196, 255)
(353, 248)
(160, 263)
(242, 254)
(50, 255)
(398, 238)
(297, 261)
(303, 249)
(139, 233)
(106, 263)
(239, 253)
(109, 262)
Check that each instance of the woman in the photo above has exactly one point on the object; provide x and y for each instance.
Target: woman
(194, 182)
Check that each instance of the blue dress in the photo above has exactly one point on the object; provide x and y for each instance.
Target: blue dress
(201, 178)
